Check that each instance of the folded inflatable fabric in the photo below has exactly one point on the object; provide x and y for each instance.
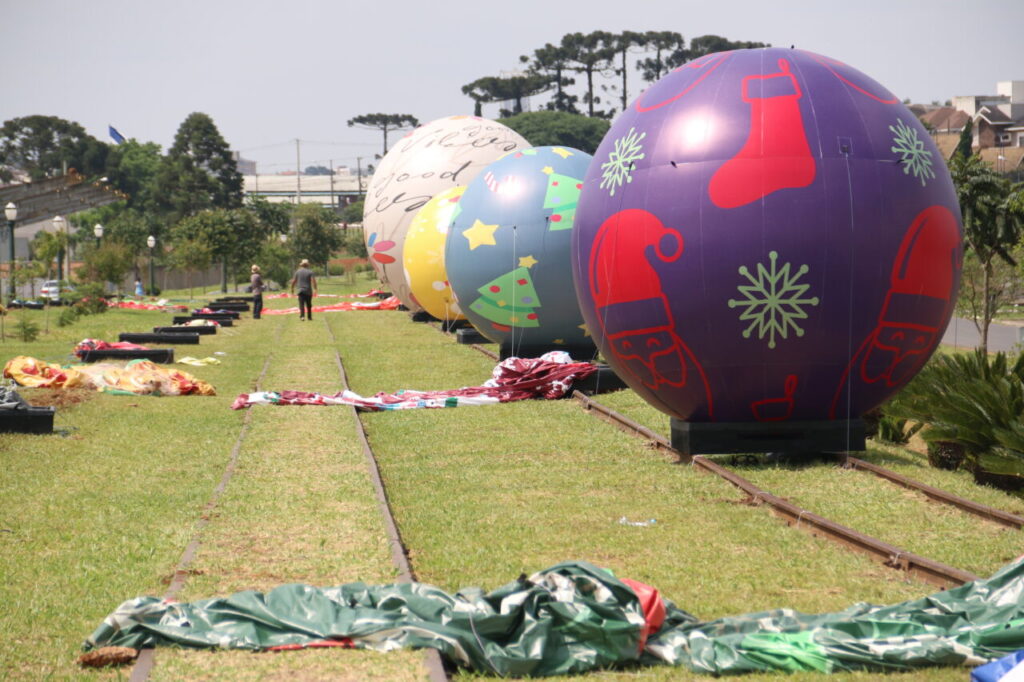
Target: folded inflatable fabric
(138, 377)
(199, 323)
(96, 344)
(575, 617)
(135, 305)
(571, 618)
(198, 362)
(390, 303)
(549, 376)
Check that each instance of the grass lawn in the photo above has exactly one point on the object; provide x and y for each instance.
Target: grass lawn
(101, 511)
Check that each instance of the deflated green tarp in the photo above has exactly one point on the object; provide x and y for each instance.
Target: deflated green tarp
(575, 617)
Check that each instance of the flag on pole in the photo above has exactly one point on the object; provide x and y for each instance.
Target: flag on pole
(116, 136)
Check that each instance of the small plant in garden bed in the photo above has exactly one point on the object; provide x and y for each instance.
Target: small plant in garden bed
(971, 404)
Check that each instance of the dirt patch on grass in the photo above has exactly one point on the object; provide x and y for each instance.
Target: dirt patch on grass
(57, 397)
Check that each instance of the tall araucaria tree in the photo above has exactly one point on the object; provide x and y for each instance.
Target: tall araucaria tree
(384, 123)
(199, 171)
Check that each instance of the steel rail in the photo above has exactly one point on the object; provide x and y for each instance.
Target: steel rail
(399, 554)
(931, 571)
(984, 511)
(146, 660)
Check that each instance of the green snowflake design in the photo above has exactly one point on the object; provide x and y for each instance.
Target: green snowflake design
(616, 170)
(773, 301)
(914, 157)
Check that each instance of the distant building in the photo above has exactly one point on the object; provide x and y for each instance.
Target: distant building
(998, 125)
(331, 191)
(245, 166)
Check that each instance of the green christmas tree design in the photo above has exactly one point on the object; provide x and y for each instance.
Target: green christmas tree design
(508, 301)
(562, 195)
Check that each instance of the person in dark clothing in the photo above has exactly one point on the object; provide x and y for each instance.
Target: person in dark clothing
(256, 286)
(306, 283)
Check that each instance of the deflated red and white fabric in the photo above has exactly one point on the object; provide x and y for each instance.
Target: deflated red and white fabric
(550, 377)
(96, 344)
(390, 303)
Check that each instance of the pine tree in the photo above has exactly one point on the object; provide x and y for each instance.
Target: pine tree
(563, 193)
(509, 301)
(199, 171)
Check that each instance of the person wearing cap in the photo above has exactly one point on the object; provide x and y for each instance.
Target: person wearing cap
(256, 287)
(306, 282)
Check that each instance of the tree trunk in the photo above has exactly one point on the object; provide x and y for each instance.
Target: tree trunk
(224, 276)
(385, 129)
(558, 83)
(625, 102)
(986, 308)
(590, 92)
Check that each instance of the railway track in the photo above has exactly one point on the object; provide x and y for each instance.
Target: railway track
(929, 570)
(433, 664)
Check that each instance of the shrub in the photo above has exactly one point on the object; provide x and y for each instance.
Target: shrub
(974, 402)
(89, 299)
(25, 329)
(68, 316)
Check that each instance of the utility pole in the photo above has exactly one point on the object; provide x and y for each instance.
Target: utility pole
(359, 174)
(333, 206)
(298, 175)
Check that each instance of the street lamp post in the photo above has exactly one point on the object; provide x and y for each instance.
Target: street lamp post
(60, 225)
(11, 213)
(151, 242)
(97, 230)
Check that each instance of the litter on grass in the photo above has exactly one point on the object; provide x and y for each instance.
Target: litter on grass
(138, 377)
(550, 377)
(198, 362)
(575, 617)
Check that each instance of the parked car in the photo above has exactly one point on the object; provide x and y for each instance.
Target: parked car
(52, 289)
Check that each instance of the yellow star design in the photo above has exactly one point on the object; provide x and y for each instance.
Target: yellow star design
(586, 332)
(479, 234)
(558, 342)
(564, 153)
(547, 170)
(527, 262)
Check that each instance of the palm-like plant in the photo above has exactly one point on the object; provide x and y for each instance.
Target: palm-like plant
(974, 401)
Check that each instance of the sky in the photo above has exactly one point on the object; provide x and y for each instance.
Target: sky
(270, 73)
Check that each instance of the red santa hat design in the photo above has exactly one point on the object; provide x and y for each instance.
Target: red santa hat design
(924, 271)
(626, 288)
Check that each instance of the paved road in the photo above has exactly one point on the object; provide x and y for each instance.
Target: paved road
(961, 332)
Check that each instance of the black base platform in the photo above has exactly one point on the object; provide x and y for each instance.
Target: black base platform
(223, 321)
(508, 350)
(422, 316)
(226, 299)
(205, 330)
(452, 326)
(27, 420)
(709, 438)
(470, 336)
(604, 380)
(232, 306)
(161, 355)
(384, 294)
(143, 337)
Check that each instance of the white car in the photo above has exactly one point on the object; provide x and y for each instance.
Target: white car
(52, 290)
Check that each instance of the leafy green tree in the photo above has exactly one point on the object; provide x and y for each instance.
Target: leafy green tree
(505, 89)
(275, 218)
(353, 213)
(590, 54)
(233, 236)
(384, 123)
(663, 44)
(964, 146)
(623, 43)
(199, 172)
(43, 145)
(559, 128)
(133, 167)
(46, 247)
(551, 62)
(992, 218)
(190, 255)
(317, 170)
(276, 261)
(315, 235)
(107, 263)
